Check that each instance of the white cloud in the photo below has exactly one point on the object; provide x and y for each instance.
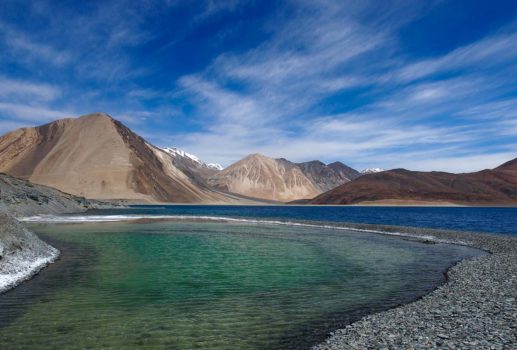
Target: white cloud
(24, 48)
(268, 99)
(35, 114)
(27, 90)
(488, 52)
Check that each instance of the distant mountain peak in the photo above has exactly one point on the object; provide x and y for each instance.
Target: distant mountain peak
(263, 177)
(372, 170)
(177, 152)
(257, 156)
(336, 163)
(216, 166)
(314, 163)
(510, 165)
(96, 115)
(279, 179)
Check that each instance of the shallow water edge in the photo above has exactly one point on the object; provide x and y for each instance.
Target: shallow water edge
(484, 287)
(315, 333)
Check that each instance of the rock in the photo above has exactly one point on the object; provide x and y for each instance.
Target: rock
(23, 253)
(22, 198)
(475, 309)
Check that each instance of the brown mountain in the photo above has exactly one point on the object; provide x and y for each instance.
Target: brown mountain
(267, 178)
(98, 157)
(327, 177)
(486, 187)
(279, 179)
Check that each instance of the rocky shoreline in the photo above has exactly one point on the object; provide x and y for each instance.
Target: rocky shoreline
(475, 309)
(22, 253)
(22, 198)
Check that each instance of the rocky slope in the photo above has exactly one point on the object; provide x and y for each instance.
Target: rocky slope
(98, 157)
(192, 165)
(263, 177)
(327, 177)
(399, 186)
(22, 253)
(22, 198)
(279, 179)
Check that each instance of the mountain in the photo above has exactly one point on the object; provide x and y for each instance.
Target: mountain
(263, 177)
(98, 157)
(192, 165)
(371, 171)
(279, 179)
(399, 186)
(327, 177)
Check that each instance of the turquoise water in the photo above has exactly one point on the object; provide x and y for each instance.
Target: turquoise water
(212, 285)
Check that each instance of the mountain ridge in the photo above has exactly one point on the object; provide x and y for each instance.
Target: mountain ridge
(279, 179)
(328, 176)
(192, 165)
(485, 187)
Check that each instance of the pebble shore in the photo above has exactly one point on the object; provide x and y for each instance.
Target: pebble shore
(475, 309)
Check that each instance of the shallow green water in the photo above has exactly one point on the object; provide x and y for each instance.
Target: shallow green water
(185, 285)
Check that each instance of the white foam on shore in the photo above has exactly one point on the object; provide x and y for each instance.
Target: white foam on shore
(85, 218)
(119, 218)
(23, 268)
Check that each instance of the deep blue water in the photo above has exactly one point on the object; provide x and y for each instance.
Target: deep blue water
(477, 219)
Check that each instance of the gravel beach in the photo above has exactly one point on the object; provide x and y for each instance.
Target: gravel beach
(475, 309)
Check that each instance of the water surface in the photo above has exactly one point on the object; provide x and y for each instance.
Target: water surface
(476, 219)
(212, 285)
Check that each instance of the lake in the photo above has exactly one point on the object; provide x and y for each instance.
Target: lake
(199, 283)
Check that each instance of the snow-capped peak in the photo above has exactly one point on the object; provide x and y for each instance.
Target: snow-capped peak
(214, 166)
(176, 152)
(371, 170)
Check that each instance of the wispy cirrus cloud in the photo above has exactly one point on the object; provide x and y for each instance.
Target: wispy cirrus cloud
(22, 89)
(298, 79)
(23, 101)
(21, 47)
(326, 56)
(486, 53)
(27, 113)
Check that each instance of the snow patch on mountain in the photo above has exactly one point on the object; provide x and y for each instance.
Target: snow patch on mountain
(371, 170)
(214, 166)
(176, 152)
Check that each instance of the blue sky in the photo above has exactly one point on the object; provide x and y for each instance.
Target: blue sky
(425, 85)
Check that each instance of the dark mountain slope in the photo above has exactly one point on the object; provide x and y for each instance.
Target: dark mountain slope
(487, 187)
